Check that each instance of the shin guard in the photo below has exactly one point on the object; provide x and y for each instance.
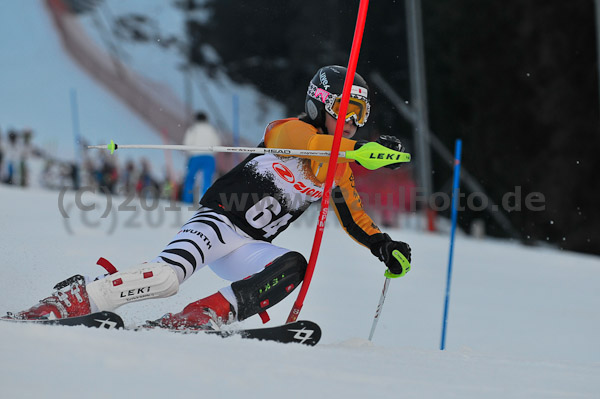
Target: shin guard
(268, 287)
(149, 280)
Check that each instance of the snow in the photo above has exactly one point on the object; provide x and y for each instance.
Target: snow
(523, 321)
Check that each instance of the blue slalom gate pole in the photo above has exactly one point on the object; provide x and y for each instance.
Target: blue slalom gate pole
(455, 188)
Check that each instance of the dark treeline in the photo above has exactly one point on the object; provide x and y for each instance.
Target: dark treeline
(517, 81)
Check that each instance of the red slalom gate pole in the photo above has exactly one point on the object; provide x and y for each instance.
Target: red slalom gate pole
(337, 138)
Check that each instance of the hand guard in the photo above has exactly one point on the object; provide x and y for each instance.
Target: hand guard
(395, 255)
(359, 143)
(393, 143)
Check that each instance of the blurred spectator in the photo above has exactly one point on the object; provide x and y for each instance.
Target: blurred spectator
(57, 174)
(97, 169)
(48, 177)
(170, 186)
(108, 174)
(26, 152)
(147, 186)
(128, 178)
(12, 158)
(89, 177)
(168, 190)
(74, 175)
(201, 134)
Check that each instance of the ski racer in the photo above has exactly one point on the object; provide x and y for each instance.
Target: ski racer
(239, 216)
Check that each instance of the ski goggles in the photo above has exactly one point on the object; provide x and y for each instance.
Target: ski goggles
(358, 105)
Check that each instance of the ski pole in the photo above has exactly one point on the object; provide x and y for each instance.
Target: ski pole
(379, 307)
(371, 155)
(388, 276)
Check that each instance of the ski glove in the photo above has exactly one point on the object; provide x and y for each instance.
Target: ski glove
(393, 143)
(395, 255)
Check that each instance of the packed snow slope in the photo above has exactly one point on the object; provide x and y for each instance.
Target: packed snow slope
(523, 321)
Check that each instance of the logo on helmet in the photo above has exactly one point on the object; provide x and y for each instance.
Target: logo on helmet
(322, 95)
(323, 79)
(284, 172)
(359, 91)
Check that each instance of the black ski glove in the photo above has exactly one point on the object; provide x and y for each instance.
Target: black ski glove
(393, 143)
(388, 251)
(360, 143)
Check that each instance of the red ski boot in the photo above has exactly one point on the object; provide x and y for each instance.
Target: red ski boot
(70, 299)
(206, 314)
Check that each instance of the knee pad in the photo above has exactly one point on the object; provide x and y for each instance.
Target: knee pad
(149, 280)
(268, 287)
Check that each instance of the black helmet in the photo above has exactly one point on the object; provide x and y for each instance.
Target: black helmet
(325, 92)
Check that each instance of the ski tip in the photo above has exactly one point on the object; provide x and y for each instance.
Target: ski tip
(105, 320)
(307, 333)
(301, 332)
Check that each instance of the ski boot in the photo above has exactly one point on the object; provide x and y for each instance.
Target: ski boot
(209, 313)
(70, 299)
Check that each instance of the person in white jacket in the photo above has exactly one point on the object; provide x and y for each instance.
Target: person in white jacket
(201, 134)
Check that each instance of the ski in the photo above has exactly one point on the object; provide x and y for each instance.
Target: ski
(106, 320)
(302, 332)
